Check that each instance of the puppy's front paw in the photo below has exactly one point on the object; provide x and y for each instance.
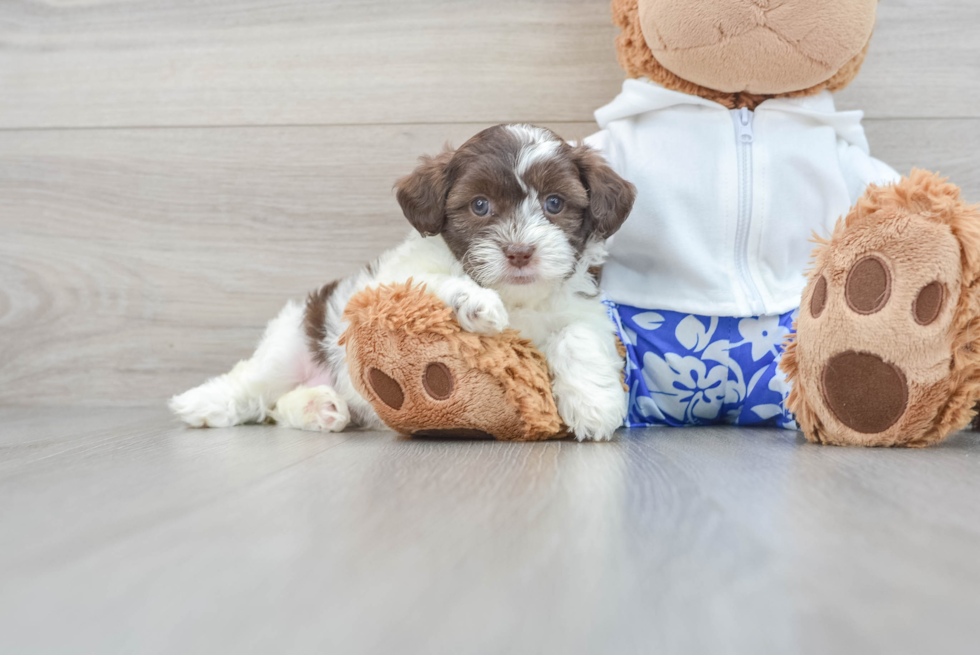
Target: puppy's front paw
(480, 310)
(593, 415)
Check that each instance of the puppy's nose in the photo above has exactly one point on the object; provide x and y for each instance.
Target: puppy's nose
(519, 254)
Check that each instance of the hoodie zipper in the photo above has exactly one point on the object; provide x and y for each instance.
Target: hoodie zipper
(744, 138)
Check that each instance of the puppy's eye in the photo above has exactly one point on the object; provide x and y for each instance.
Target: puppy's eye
(554, 204)
(480, 206)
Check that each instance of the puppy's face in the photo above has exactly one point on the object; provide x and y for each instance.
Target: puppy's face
(516, 204)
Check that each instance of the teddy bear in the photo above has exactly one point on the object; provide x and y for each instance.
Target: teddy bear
(727, 127)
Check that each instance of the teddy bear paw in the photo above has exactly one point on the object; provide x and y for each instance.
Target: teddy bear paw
(873, 361)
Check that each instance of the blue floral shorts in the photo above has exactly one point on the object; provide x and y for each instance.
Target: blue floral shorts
(684, 369)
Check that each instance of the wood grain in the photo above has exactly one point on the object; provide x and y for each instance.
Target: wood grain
(138, 262)
(134, 535)
(101, 63)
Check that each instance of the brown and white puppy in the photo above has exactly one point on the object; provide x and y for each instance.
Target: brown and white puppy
(508, 227)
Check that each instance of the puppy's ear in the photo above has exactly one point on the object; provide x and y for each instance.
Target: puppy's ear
(610, 196)
(422, 194)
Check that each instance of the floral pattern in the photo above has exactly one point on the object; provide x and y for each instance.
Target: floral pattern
(684, 369)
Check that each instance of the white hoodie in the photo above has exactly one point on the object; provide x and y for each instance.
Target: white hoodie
(727, 200)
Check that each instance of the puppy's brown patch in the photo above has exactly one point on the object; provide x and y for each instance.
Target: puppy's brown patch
(315, 321)
(559, 175)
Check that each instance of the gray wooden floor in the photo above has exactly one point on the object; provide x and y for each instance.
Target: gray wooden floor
(124, 533)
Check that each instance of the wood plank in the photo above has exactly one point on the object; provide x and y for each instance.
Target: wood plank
(924, 61)
(138, 262)
(946, 146)
(161, 539)
(224, 62)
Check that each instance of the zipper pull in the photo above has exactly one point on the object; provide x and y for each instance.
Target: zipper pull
(745, 134)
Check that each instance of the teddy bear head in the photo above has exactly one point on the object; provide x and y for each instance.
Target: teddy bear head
(741, 52)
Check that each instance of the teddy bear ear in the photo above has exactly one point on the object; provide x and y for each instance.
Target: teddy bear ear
(610, 196)
(422, 193)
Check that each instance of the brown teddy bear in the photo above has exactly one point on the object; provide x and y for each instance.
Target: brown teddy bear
(727, 128)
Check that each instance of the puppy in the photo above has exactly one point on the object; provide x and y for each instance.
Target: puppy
(508, 227)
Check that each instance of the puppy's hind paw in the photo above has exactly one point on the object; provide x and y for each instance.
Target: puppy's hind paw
(204, 407)
(318, 409)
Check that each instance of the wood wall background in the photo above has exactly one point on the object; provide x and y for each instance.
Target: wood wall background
(172, 170)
